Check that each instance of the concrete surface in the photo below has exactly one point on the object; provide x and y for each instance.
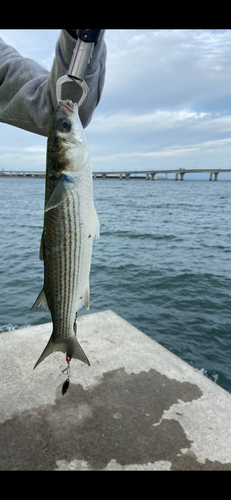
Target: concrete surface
(137, 407)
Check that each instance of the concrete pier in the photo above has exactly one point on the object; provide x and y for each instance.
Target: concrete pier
(215, 176)
(137, 407)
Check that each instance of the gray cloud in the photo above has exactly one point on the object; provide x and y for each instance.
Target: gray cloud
(173, 68)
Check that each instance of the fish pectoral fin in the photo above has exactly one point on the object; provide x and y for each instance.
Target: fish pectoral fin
(95, 223)
(61, 191)
(70, 346)
(41, 300)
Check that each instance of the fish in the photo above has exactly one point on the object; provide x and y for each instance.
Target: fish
(70, 223)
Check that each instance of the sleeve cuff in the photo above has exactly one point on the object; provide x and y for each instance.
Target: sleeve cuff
(73, 34)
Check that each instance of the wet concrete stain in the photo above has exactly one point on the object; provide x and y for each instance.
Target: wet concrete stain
(113, 419)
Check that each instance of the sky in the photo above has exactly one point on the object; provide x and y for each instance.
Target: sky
(166, 101)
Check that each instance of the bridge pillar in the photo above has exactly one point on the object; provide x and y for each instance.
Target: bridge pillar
(182, 176)
(211, 176)
(153, 176)
(176, 177)
(215, 175)
(127, 176)
(121, 177)
(147, 177)
(166, 175)
(94, 176)
(103, 176)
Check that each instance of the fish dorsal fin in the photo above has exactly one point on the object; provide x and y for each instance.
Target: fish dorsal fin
(61, 191)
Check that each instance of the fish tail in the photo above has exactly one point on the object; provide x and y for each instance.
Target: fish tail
(71, 347)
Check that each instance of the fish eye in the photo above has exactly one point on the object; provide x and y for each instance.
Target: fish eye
(63, 124)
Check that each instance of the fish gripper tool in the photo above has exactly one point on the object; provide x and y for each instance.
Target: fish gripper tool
(86, 41)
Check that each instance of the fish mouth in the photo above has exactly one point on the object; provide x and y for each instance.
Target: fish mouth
(69, 106)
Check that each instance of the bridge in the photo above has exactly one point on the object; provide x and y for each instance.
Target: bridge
(126, 174)
(150, 174)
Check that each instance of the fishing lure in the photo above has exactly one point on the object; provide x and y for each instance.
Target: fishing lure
(66, 384)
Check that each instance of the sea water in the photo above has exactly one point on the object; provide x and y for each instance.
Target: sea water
(163, 262)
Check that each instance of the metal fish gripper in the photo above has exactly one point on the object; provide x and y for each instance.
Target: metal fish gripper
(87, 39)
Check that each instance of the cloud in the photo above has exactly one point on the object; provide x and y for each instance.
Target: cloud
(157, 120)
(217, 123)
(35, 149)
(23, 158)
(167, 68)
(172, 151)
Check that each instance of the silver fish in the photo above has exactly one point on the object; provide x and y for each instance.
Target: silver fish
(70, 223)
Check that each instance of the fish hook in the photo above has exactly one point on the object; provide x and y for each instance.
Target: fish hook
(66, 384)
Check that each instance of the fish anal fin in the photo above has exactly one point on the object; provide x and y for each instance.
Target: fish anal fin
(41, 300)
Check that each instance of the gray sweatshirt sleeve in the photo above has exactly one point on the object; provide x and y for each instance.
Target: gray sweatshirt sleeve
(28, 91)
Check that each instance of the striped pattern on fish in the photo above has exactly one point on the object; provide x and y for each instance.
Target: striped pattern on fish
(70, 223)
